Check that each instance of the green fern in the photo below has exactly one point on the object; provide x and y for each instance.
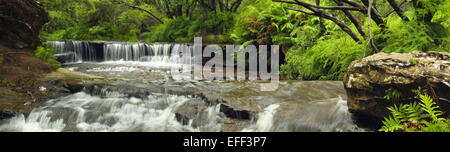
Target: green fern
(391, 124)
(392, 94)
(414, 117)
(408, 112)
(439, 126)
(47, 54)
(430, 107)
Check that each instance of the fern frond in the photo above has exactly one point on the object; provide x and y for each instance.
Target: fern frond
(430, 107)
(439, 126)
(391, 124)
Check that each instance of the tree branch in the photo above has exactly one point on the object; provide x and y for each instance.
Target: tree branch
(353, 19)
(235, 5)
(323, 29)
(302, 11)
(329, 16)
(398, 10)
(141, 9)
(321, 7)
(375, 15)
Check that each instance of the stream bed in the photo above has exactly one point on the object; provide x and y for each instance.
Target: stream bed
(145, 97)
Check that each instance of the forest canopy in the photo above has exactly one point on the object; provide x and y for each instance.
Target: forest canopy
(319, 38)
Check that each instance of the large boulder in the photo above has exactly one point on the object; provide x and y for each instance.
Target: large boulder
(21, 22)
(371, 81)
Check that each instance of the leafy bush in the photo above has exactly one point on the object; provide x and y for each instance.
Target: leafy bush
(416, 117)
(7, 83)
(184, 29)
(170, 30)
(47, 55)
(412, 36)
(308, 55)
(392, 94)
(266, 22)
(326, 60)
(216, 23)
(93, 20)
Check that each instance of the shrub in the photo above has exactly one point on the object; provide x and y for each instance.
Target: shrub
(170, 30)
(392, 94)
(327, 60)
(7, 83)
(47, 55)
(411, 36)
(183, 29)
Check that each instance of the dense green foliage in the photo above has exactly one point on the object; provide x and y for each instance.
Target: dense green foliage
(416, 117)
(93, 20)
(314, 47)
(392, 94)
(310, 53)
(47, 54)
(184, 29)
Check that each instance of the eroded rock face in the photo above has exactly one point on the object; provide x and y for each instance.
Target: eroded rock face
(370, 79)
(20, 23)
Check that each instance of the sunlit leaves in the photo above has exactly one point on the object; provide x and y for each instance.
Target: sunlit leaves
(416, 117)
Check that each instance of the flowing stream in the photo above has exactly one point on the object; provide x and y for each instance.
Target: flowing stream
(145, 97)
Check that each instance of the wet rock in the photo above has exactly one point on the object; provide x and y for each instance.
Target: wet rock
(67, 81)
(20, 23)
(66, 74)
(190, 110)
(12, 103)
(11, 100)
(6, 114)
(235, 113)
(370, 79)
(63, 58)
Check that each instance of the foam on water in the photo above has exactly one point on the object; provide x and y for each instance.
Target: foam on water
(265, 120)
(116, 69)
(86, 113)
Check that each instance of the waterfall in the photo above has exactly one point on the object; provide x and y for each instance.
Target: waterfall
(74, 51)
(100, 51)
(127, 51)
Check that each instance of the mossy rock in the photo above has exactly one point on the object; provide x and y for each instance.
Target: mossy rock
(66, 74)
(12, 101)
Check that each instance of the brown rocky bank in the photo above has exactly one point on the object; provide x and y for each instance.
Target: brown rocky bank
(370, 79)
(20, 23)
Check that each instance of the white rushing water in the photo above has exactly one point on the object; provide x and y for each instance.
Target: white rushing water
(86, 113)
(110, 111)
(156, 55)
(115, 69)
(76, 51)
(265, 120)
(330, 115)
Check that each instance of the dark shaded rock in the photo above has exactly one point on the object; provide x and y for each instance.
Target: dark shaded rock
(234, 113)
(370, 79)
(190, 110)
(64, 58)
(21, 22)
(6, 114)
